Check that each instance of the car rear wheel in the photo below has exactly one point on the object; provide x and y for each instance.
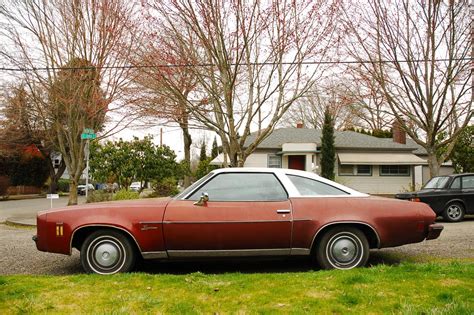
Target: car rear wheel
(342, 248)
(454, 212)
(107, 252)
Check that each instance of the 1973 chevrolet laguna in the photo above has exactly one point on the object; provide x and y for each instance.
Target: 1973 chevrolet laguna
(235, 213)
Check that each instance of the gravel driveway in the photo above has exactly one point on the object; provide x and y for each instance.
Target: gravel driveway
(18, 255)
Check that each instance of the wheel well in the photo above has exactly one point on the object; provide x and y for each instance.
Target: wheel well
(368, 231)
(450, 202)
(81, 234)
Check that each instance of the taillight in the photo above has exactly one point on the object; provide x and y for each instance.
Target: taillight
(415, 199)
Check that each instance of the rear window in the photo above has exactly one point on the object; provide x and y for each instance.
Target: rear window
(311, 187)
(437, 182)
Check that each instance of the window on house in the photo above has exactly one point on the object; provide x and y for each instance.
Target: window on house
(346, 169)
(394, 170)
(274, 161)
(361, 170)
(364, 169)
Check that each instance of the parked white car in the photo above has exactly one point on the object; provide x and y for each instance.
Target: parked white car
(135, 186)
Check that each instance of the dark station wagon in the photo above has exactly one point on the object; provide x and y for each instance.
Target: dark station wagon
(450, 196)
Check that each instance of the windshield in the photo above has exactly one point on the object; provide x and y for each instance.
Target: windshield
(193, 186)
(436, 182)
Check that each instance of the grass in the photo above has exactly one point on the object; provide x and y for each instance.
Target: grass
(408, 288)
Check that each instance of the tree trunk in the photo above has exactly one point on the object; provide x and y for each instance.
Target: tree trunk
(433, 164)
(55, 176)
(72, 191)
(187, 153)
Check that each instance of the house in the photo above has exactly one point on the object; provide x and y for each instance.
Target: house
(365, 163)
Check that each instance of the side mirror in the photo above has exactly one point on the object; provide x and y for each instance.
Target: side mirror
(203, 200)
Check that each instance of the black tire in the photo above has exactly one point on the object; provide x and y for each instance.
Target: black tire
(454, 212)
(342, 247)
(107, 252)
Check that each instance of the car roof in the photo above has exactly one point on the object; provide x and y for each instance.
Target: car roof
(286, 171)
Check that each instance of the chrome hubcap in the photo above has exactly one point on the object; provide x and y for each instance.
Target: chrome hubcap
(106, 254)
(343, 250)
(454, 212)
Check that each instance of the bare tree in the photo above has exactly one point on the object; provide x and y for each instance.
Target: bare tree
(44, 38)
(334, 97)
(370, 106)
(418, 52)
(165, 91)
(249, 59)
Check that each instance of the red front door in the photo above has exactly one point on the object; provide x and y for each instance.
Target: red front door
(222, 225)
(297, 162)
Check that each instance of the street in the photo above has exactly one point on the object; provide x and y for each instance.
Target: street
(27, 209)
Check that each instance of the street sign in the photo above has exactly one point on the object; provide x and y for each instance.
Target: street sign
(52, 196)
(88, 130)
(85, 136)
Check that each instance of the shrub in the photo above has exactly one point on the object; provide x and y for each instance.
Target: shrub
(165, 187)
(63, 185)
(99, 196)
(123, 194)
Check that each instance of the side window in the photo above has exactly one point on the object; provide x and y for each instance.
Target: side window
(468, 182)
(456, 184)
(274, 161)
(242, 187)
(311, 187)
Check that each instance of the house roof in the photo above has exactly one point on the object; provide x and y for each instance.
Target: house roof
(343, 140)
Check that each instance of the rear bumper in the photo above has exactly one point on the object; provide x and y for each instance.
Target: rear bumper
(434, 230)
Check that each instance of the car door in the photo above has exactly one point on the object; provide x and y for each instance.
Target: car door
(467, 184)
(247, 214)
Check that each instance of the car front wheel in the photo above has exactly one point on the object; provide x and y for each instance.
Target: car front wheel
(107, 252)
(454, 212)
(342, 248)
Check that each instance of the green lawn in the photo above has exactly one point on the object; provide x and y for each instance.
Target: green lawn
(429, 288)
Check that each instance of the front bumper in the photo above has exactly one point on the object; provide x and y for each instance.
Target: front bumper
(434, 230)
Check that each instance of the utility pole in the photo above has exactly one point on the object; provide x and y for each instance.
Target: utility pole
(161, 137)
(87, 152)
(87, 134)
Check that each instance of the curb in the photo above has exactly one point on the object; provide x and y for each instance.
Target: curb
(20, 222)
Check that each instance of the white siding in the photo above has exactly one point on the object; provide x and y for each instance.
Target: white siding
(377, 184)
(256, 160)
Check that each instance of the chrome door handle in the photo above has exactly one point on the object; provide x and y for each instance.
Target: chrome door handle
(283, 211)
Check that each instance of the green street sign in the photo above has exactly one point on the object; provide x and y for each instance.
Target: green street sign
(85, 136)
(88, 130)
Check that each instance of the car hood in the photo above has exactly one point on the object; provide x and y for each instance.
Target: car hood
(122, 204)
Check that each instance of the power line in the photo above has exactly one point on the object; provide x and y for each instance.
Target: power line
(187, 65)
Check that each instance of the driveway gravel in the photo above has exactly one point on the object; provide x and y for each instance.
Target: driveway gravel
(18, 255)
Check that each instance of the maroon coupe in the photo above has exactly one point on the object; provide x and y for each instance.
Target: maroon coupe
(234, 213)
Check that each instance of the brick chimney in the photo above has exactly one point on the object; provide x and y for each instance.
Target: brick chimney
(399, 135)
(299, 124)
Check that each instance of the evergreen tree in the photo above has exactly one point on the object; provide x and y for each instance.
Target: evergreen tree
(203, 154)
(328, 151)
(215, 149)
(463, 152)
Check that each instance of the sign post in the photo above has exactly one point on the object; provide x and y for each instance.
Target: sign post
(52, 196)
(87, 134)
